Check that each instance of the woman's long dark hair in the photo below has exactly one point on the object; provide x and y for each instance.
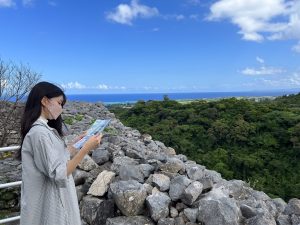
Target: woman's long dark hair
(33, 109)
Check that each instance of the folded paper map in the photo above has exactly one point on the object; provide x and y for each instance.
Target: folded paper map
(97, 127)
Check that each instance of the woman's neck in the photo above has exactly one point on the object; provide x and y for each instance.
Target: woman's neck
(42, 117)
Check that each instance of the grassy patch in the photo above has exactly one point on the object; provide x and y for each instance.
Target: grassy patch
(69, 120)
(79, 117)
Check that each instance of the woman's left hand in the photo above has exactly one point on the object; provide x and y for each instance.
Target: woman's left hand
(79, 137)
(70, 146)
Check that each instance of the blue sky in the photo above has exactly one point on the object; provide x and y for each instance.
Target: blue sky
(155, 45)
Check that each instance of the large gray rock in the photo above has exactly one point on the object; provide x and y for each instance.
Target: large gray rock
(295, 219)
(194, 171)
(79, 192)
(191, 214)
(100, 156)
(283, 220)
(87, 163)
(136, 153)
(173, 212)
(218, 211)
(131, 172)
(161, 181)
(177, 187)
(261, 220)
(118, 162)
(207, 184)
(100, 185)
(293, 207)
(248, 211)
(166, 221)
(213, 175)
(132, 220)
(179, 221)
(129, 196)
(146, 138)
(173, 165)
(146, 169)
(158, 205)
(191, 193)
(95, 211)
(280, 204)
(79, 176)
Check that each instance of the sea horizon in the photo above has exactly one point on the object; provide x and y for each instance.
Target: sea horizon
(123, 98)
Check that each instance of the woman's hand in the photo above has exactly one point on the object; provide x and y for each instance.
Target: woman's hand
(79, 137)
(92, 143)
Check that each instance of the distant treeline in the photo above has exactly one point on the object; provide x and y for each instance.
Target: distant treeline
(258, 142)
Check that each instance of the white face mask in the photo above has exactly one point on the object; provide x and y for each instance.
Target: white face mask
(54, 110)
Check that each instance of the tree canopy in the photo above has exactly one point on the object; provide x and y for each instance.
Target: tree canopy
(258, 142)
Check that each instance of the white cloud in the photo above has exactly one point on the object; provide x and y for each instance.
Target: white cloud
(295, 79)
(260, 20)
(28, 3)
(125, 13)
(291, 81)
(150, 88)
(73, 85)
(7, 3)
(262, 71)
(79, 86)
(177, 17)
(260, 60)
(296, 47)
(102, 87)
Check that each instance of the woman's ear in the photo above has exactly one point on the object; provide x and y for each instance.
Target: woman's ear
(44, 101)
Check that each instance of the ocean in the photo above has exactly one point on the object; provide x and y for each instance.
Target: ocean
(132, 98)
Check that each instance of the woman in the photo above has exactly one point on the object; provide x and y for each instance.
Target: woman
(48, 194)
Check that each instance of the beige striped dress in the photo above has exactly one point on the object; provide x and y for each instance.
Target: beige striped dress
(48, 195)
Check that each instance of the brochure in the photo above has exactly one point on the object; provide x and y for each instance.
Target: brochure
(97, 127)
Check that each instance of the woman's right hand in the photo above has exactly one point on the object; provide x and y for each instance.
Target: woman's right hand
(92, 143)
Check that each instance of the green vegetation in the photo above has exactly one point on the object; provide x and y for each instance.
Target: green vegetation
(257, 142)
(70, 120)
(79, 117)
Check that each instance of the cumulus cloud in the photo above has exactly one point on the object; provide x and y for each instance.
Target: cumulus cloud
(126, 13)
(291, 81)
(262, 71)
(296, 47)
(102, 87)
(79, 86)
(260, 20)
(73, 85)
(7, 3)
(177, 17)
(260, 60)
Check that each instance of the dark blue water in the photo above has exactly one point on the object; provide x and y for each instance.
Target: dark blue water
(132, 98)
